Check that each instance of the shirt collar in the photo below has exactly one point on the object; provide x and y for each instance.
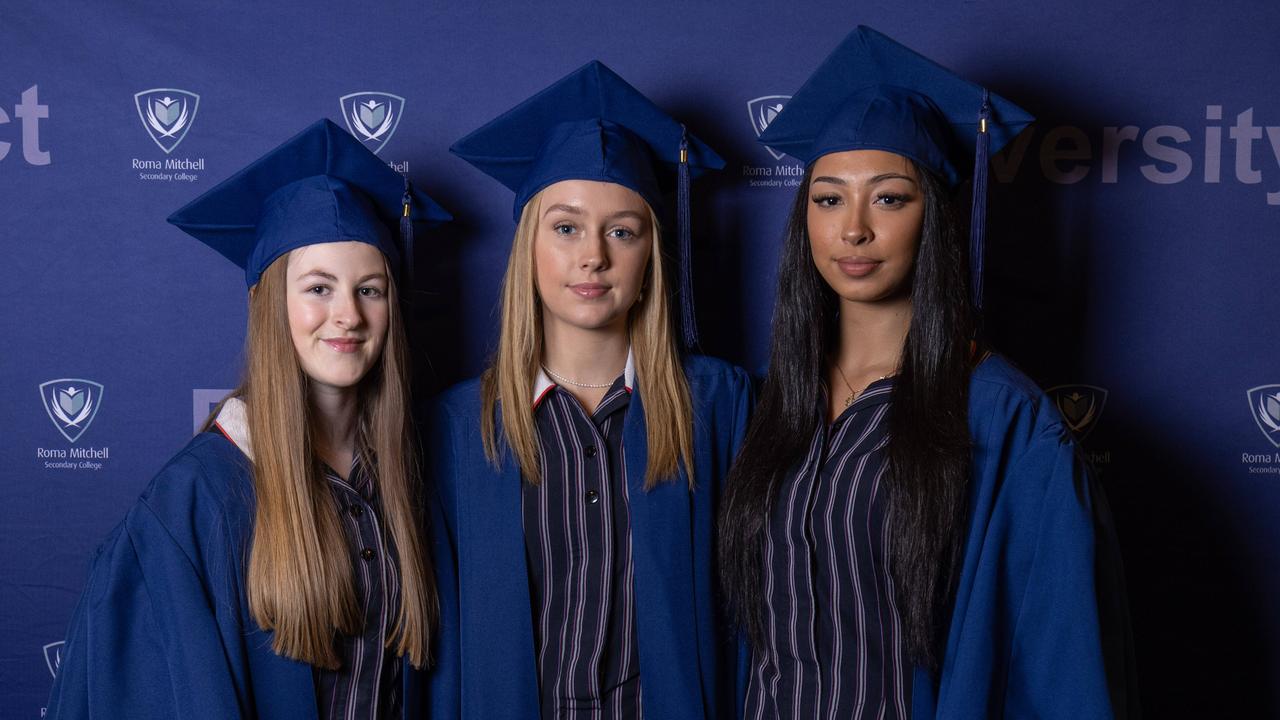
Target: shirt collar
(233, 421)
(542, 383)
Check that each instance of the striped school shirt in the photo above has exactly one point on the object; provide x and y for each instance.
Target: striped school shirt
(834, 646)
(578, 550)
(367, 684)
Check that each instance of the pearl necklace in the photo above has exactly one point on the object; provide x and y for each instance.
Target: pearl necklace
(575, 383)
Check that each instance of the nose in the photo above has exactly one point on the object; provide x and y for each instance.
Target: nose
(595, 253)
(856, 230)
(346, 312)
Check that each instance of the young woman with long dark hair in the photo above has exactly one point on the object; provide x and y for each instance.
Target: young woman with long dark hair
(577, 477)
(274, 568)
(909, 530)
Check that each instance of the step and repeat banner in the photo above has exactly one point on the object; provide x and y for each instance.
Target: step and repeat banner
(1134, 267)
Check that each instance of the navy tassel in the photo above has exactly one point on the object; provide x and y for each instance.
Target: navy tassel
(978, 217)
(689, 319)
(406, 238)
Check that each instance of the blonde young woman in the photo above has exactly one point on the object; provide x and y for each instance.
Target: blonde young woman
(577, 477)
(273, 568)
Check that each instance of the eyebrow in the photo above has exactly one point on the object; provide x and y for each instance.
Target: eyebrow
(563, 208)
(877, 179)
(334, 278)
(575, 210)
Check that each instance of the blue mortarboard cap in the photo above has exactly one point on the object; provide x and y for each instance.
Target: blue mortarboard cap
(320, 186)
(873, 93)
(593, 125)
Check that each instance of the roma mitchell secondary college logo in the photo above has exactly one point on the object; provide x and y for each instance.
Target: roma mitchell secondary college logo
(1264, 401)
(1080, 405)
(71, 403)
(762, 111)
(167, 114)
(372, 117)
(53, 656)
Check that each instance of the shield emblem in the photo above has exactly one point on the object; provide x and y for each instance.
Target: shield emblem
(762, 111)
(372, 117)
(53, 657)
(167, 114)
(1080, 406)
(1264, 401)
(72, 404)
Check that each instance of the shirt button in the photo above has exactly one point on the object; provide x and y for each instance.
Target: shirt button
(356, 511)
(590, 451)
(367, 553)
(593, 497)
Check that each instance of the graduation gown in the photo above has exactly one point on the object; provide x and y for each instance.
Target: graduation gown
(163, 628)
(485, 666)
(1039, 627)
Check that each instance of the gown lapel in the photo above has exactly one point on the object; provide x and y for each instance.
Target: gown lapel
(661, 532)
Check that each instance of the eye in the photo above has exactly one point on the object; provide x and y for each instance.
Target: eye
(318, 290)
(889, 199)
(370, 291)
(826, 201)
(564, 229)
(622, 233)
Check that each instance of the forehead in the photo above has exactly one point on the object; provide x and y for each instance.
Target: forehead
(593, 197)
(863, 163)
(337, 258)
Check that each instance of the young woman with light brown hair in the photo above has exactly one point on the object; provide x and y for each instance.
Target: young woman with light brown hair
(577, 478)
(274, 567)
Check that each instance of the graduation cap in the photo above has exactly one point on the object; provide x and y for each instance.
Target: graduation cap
(873, 93)
(320, 186)
(593, 125)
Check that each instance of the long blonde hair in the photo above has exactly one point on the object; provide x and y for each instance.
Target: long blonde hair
(659, 374)
(299, 579)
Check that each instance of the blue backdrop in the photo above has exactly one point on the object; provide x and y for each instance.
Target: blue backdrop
(1134, 252)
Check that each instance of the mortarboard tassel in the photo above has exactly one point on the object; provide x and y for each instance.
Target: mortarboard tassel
(406, 237)
(978, 216)
(689, 319)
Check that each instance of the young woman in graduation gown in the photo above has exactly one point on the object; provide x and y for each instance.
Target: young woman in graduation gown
(909, 531)
(577, 478)
(274, 567)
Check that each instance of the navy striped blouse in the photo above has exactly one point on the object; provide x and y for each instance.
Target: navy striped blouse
(367, 685)
(834, 645)
(578, 549)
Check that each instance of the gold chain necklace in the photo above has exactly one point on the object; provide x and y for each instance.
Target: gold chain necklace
(853, 394)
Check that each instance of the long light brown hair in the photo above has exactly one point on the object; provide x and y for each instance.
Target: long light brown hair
(659, 374)
(299, 579)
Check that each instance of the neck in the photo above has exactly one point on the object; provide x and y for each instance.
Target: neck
(585, 356)
(335, 425)
(872, 335)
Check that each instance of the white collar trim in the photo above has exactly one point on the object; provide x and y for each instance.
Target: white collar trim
(233, 421)
(542, 383)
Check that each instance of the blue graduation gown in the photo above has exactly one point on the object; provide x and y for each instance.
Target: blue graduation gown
(163, 628)
(1036, 630)
(690, 662)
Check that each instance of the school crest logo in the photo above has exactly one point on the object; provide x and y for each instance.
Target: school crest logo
(372, 117)
(167, 114)
(53, 657)
(71, 404)
(1264, 401)
(1080, 405)
(762, 111)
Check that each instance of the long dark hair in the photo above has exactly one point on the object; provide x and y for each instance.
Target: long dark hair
(929, 444)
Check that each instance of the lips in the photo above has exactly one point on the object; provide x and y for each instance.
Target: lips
(857, 265)
(589, 290)
(343, 345)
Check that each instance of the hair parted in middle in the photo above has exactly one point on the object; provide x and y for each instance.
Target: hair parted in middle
(929, 446)
(299, 576)
(508, 381)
